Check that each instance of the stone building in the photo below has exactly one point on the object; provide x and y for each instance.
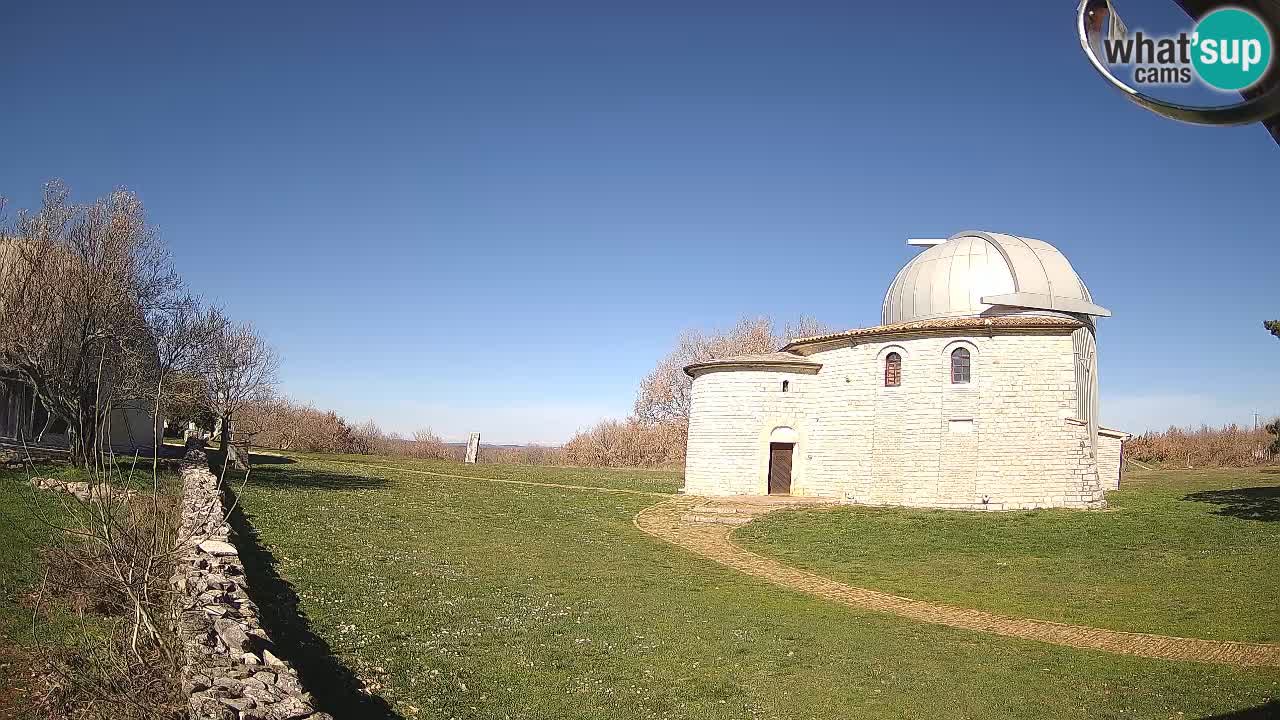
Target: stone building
(23, 419)
(979, 390)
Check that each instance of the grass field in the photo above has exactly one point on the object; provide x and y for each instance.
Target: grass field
(24, 529)
(30, 639)
(658, 481)
(1191, 553)
(462, 598)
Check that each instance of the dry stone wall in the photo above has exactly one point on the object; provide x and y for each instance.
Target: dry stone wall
(230, 671)
(83, 491)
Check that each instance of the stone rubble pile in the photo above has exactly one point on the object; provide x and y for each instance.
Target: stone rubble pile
(82, 490)
(230, 672)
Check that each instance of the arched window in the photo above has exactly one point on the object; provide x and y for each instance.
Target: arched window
(960, 366)
(786, 385)
(892, 370)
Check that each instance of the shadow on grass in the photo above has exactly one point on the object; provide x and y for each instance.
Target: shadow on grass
(1269, 711)
(297, 478)
(258, 459)
(337, 690)
(1255, 503)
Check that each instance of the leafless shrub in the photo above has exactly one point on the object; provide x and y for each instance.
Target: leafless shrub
(523, 455)
(109, 557)
(1229, 446)
(628, 443)
(95, 680)
(283, 424)
(425, 444)
(366, 438)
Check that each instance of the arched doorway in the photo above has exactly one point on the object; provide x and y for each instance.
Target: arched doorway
(782, 445)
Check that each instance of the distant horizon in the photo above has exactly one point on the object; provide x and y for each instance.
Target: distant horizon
(1247, 426)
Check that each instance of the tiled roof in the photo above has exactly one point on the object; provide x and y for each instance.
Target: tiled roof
(782, 359)
(970, 324)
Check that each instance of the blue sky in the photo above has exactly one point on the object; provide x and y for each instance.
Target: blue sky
(498, 216)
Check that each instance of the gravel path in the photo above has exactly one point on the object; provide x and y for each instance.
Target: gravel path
(703, 526)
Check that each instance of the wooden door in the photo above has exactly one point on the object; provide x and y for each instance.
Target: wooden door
(780, 468)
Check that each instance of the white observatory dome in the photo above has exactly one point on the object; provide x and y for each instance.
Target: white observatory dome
(983, 274)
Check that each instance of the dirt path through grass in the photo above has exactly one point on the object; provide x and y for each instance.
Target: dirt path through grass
(703, 526)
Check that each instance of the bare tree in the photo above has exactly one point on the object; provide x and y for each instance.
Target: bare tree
(78, 284)
(241, 371)
(184, 338)
(664, 393)
(274, 421)
(625, 443)
(280, 423)
(368, 437)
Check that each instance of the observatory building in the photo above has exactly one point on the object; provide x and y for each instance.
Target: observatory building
(979, 390)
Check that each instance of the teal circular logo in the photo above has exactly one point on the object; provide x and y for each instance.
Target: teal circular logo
(1232, 49)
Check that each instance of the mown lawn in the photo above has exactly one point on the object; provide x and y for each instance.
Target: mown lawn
(461, 598)
(661, 481)
(1191, 553)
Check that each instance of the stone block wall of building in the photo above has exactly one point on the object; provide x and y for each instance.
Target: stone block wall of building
(1110, 457)
(1002, 441)
(732, 415)
(131, 429)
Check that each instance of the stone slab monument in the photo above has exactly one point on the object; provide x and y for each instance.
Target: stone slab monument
(473, 448)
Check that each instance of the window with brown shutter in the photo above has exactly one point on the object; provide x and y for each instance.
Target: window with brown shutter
(892, 370)
(960, 366)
